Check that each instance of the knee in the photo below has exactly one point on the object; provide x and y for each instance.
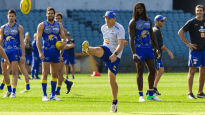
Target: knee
(112, 79)
(152, 71)
(44, 73)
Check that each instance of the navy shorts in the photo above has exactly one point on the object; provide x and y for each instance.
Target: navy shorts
(196, 58)
(158, 63)
(144, 53)
(51, 56)
(69, 59)
(13, 55)
(112, 66)
(28, 60)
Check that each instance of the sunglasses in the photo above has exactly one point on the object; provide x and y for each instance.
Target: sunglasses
(161, 20)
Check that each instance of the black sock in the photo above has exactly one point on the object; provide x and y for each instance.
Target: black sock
(155, 89)
(114, 102)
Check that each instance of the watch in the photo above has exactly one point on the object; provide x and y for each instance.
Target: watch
(116, 53)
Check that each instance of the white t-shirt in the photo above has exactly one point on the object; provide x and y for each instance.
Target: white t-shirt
(112, 35)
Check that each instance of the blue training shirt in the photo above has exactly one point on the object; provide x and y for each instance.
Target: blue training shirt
(51, 34)
(28, 51)
(142, 35)
(11, 37)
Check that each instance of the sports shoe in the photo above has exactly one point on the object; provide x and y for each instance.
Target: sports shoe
(13, 95)
(55, 98)
(191, 96)
(141, 99)
(95, 74)
(25, 91)
(114, 107)
(57, 93)
(32, 78)
(147, 93)
(45, 98)
(73, 77)
(66, 77)
(19, 78)
(156, 92)
(37, 78)
(7, 94)
(69, 87)
(201, 95)
(154, 98)
(85, 46)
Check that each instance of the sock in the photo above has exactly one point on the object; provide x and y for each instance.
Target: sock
(58, 88)
(14, 89)
(53, 86)
(140, 93)
(27, 86)
(114, 102)
(8, 87)
(151, 92)
(2, 86)
(155, 89)
(66, 81)
(44, 87)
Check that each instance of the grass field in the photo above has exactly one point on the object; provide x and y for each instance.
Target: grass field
(92, 95)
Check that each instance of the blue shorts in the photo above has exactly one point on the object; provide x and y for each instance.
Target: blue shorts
(158, 63)
(144, 53)
(13, 55)
(196, 58)
(28, 60)
(112, 66)
(69, 59)
(51, 56)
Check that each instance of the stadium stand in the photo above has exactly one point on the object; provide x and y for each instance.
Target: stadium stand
(85, 25)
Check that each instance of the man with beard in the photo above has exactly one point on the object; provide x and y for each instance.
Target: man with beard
(140, 36)
(51, 31)
(196, 30)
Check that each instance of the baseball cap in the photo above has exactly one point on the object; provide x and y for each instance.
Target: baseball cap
(68, 33)
(110, 14)
(159, 17)
(27, 33)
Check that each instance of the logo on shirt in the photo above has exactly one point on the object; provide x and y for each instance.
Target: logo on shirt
(144, 33)
(114, 68)
(13, 31)
(55, 29)
(52, 37)
(195, 61)
(8, 38)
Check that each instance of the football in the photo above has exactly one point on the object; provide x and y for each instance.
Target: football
(58, 44)
(25, 6)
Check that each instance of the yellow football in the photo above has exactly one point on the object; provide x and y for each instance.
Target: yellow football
(58, 44)
(25, 6)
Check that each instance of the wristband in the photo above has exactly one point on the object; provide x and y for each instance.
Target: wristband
(116, 53)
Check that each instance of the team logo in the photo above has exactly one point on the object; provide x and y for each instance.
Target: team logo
(144, 33)
(8, 38)
(114, 68)
(195, 61)
(52, 37)
(55, 29)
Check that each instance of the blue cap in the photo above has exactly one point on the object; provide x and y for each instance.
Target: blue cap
(159, 17)
(27, 33)
(110, 14)
(68, 33)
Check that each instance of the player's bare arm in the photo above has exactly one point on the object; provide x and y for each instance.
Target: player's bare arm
(21, 36)
(119, 48)
(62, 34)
(38, 41)
(183, 38)
(1, 35)
(61, 51)
(131, 30)
(68, 46)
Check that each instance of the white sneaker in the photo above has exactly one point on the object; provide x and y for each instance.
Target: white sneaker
(55, 98)
(154, 98)
(114, 108)
(7, 94)
(45, 98)
(13, 95)
(141, 99)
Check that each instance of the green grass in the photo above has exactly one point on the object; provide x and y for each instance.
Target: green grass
(92, 94)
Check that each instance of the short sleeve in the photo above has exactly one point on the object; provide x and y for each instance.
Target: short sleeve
(187, 26)
(121, 33)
